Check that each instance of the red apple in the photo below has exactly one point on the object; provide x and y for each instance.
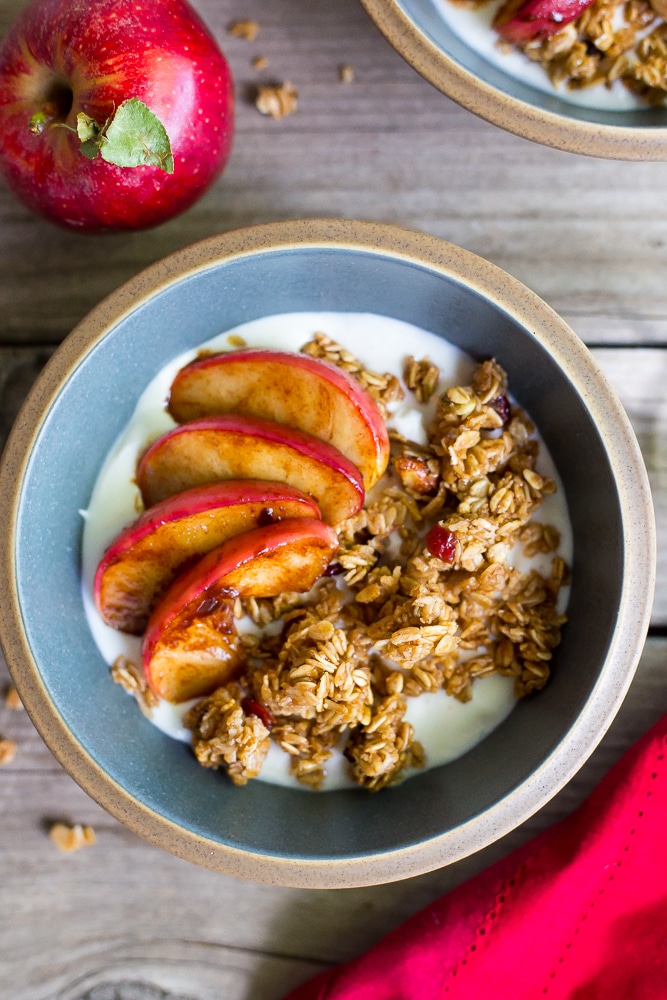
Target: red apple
(144, 559)
(189, 643)
(521, 22)
(293, 389)
(65, 58)
(236, 447)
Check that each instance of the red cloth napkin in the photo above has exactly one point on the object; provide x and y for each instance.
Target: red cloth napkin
(579, 912)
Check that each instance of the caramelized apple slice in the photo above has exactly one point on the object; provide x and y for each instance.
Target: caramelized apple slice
(296, 390)
(195, 656)
(144, 559)
(235, 447)
(190, 646)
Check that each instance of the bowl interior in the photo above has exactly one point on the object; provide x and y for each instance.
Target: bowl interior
(89, 412)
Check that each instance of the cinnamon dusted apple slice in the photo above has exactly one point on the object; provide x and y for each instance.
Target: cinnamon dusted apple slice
(521, 22)
(194, 656)
(141, 563)
(307, 393)
(190, 646)
(236, 447)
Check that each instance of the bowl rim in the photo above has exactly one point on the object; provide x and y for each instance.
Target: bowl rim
(578, 743)
(613, 142)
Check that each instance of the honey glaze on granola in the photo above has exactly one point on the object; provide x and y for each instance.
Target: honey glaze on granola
(388, 661)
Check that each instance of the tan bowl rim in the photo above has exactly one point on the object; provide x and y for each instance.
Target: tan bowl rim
(624, 455)
(613, 142)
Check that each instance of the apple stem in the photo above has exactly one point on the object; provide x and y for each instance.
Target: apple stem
(132, 137)
(42, 119)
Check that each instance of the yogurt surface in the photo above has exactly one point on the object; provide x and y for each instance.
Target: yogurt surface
(445, 726)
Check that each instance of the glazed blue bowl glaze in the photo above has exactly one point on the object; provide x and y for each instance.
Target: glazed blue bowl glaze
(418, 32)
(83, 400)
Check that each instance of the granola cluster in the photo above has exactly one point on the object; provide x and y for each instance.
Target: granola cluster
(401, 614)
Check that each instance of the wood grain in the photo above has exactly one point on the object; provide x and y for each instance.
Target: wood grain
(123, 913)
(582, 233)
(122, 920)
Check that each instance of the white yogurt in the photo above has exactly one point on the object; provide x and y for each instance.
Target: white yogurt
(446, 727)
(473, 25)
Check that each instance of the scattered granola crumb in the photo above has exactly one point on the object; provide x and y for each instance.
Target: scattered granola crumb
(235, 341)
(248, 30)
(7, 752)
(260, 62)
(12, 700)
(346, 74)
(277, 101)
(71, 838)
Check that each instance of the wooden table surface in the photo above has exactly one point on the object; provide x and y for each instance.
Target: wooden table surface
(121, 919)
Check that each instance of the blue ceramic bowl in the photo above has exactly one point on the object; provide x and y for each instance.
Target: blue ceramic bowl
(419, 33)
(84, 398)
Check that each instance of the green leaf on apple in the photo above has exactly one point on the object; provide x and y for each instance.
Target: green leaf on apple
(136, 137)
(132, 137)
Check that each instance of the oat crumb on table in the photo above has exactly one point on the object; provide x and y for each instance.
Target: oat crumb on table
(346, 74)
(248, 30)
(7, 752)
(12, 699)
(277, 101)
(260, 62)
(71, 838)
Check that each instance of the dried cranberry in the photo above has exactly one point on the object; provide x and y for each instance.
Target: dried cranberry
(334, 569)
(441, 543)
(253, 707)
(501, 405)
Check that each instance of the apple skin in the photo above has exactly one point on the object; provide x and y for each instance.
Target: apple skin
(236, 447)
(294, 389)
(95, 54)
(144, 559)
(525, 22)
(189, 641)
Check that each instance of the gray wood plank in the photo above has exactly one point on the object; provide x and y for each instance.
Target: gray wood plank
(19, 367)
(638, 375)
(584, 234)
(127, 912)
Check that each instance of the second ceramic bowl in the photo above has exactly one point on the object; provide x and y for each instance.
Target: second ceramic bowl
(448, 60)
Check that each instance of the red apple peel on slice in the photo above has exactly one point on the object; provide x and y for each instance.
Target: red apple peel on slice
(144, 559)
(190, 646)
(535, 19)
(237, 447)
(297, 390)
